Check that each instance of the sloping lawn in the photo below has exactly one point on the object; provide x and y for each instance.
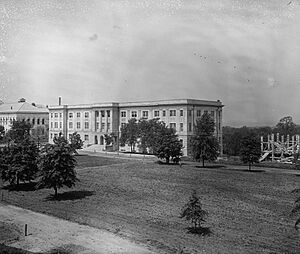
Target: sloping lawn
(248, 212)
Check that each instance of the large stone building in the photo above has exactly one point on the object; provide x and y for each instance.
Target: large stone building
(93, 121)
(36, 115)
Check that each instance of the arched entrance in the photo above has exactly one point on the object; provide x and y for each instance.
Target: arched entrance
(101, 140)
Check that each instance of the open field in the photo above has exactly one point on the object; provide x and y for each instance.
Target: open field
(248, 211)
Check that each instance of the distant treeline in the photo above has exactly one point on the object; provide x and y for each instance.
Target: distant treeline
(232, 136)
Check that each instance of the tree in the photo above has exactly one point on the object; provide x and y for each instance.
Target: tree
(19, 131)
(204, 144)
(285, 126)
(19, 158)
(2, 133)
(75, 142)
(166, 144)
(193, 212)
(296, 209)
(129, 133)
(148, 131)
(250, 149)
(40, 134)
(57, 166)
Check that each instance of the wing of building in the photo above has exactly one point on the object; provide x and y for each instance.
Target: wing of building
(93, 121)
(36, 115)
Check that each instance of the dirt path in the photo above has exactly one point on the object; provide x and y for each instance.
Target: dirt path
(46, 233)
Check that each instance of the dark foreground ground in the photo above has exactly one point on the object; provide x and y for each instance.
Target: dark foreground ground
(249, 212)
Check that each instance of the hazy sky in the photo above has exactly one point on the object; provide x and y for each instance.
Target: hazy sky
(245, 53)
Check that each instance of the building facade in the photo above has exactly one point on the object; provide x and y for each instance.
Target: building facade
(36, 115)
(94, 121)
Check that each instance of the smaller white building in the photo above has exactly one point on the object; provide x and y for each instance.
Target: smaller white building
(36, 115)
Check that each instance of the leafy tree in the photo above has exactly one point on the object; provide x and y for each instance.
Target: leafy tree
(2, 133)
(204, 144)
(57, 166)
(129, 133)
(19, 158)
(76, 142)
(296, 209)
(166, 144)
(148, 131)
(39, 134)
(250, 149)
(110, 139)
(285, 126)
(19, 131)
(193, 212)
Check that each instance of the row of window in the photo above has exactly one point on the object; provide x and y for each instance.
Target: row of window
(34, 121)
(78, 125)
(78, 114)
(172, 112)
(145, 113)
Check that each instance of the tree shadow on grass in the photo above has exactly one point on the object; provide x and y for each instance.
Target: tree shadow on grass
(70, 195)
(21, 187)
(203, 231)
(212, 166)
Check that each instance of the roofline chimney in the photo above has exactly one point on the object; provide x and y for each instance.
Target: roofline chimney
(59, 101)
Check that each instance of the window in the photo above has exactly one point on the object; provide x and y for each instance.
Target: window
(172, 112)
(190, 126)
(102, 126)
(70, 115)
(173, 126)
(86, 114)
(164, 113)
(43, 121)
(156, 113)
(190, 112)
(96, 113)
(133, 114)
(78, 114)
(78, 125)
(55, 135)
(181, 112)
(56, 125)
(70, 125)
(51, 136)
(123, 113)
(86, 137)
(51, 125)
(86, 125)
(108, 126)
(33, 121)
(55, 115)
(205, 112)
(108, 113)
(198, 113)
(181, 126)
(51, 115)
(145, 114)
(97, 126)
(102, 113)
(38, 121)
(60, 125)
(60, 115)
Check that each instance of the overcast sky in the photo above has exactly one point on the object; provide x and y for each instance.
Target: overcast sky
(245, 53)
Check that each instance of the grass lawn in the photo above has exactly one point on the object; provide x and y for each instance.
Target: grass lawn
(248, 212)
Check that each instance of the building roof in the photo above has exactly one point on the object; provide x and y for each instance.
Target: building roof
(172, 102)
(22, 107)
(194, 102)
